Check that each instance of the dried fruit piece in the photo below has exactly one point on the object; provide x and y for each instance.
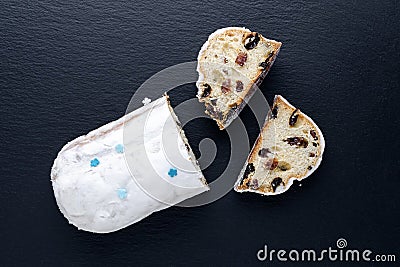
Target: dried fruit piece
(254, 184)
(251, 41)
(297, 141)
(226, 86)
(239, 86)
(274, 112)
(263, 152)
(314, 135)
(249, 169)
(276, 182)
(264, 65)
(269, 57)
(293, 118)
(312, 154)
(271, 164)
(314, 144)
(241, 58)
(284, 166)
(309, 168)
(206, 90)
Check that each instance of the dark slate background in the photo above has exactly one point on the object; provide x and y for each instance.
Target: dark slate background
(67, 67)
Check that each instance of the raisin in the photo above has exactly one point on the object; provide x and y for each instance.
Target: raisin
(225, 60)
(264, 152)
(297, 141)
(249, 169)
(293, 118)
(314, 135)
(206, 90)
(239, 86)
(274, 112)
(241, 58)
(264, 65)
(251, 41)
(309, 168)
(276, 182)
(226, 86)
(269, 57)
(312, 154)
(254, 184)
(314, 144)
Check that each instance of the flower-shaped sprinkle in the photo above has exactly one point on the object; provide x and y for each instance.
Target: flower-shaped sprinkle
(173, 172)
(146, 101)
(94, 162)
(119, 148)
(122, 193)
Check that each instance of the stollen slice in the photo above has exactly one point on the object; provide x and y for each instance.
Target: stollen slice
(289, 147)
(230, 62)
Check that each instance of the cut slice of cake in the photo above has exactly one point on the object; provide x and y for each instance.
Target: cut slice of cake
(229, 64)
(289, 147)
(125, 170)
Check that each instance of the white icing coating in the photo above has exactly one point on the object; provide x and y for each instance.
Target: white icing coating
(110, 196)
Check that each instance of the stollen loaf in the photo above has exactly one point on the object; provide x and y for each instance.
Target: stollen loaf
(125, 170)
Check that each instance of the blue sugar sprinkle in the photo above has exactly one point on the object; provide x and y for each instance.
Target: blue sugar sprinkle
(94, 162)
(119, 148)
(173, 172)
(122, 193)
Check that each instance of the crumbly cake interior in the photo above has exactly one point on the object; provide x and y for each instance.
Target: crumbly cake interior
(290, 147)
(232, 60)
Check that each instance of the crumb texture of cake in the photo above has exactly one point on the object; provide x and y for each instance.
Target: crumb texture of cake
(125, 170)
(289, 147)
(231, 61)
